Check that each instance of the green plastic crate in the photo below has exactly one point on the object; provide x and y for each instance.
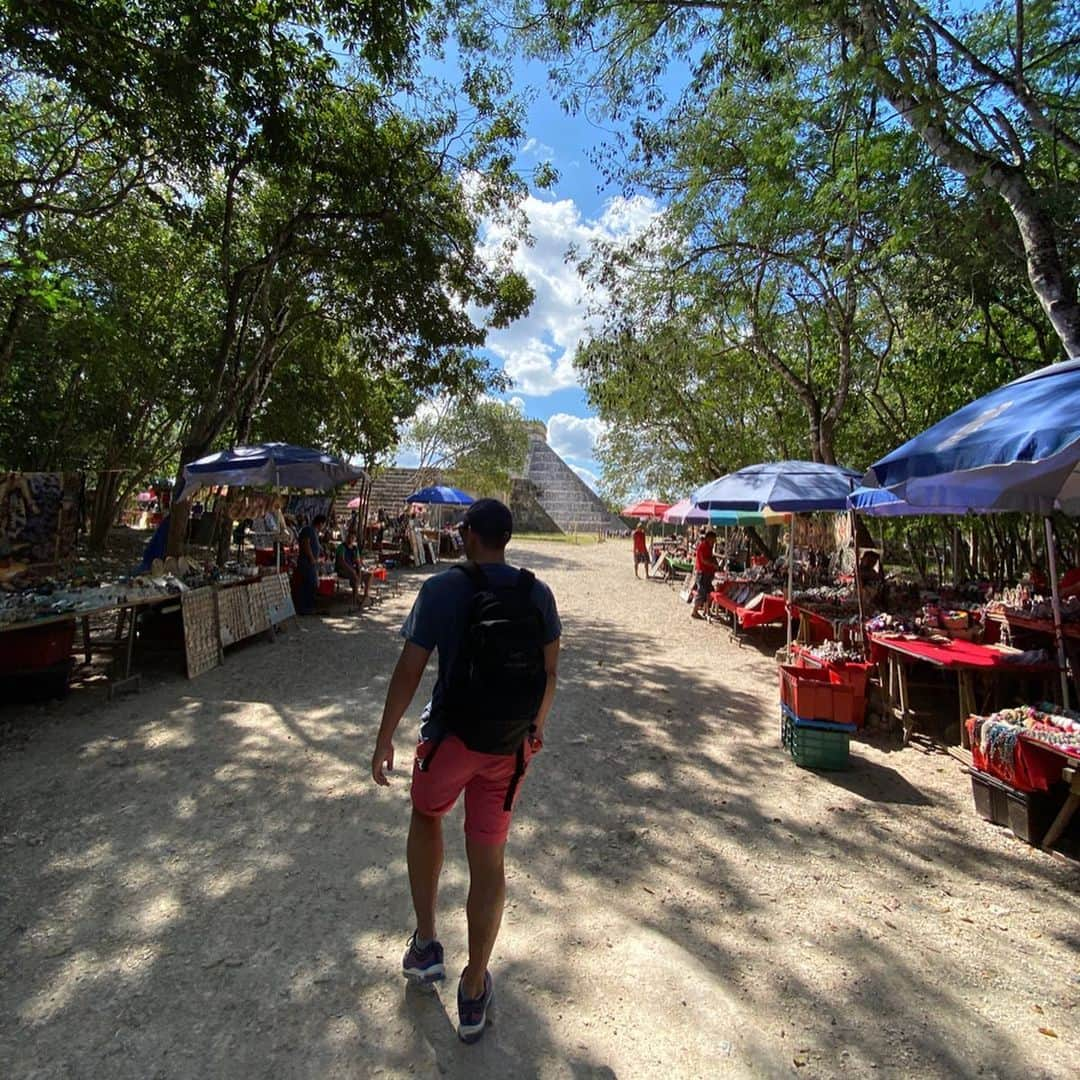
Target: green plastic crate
(811, 748)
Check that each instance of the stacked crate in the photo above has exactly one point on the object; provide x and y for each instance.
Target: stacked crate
(817, 711)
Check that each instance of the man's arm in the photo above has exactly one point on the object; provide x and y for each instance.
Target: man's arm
(403, 684)
(551, 667)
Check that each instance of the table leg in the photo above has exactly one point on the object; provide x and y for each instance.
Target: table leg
(967, 704)
(123, 679)
(130, 645)
(907, 721)
(1066, 812)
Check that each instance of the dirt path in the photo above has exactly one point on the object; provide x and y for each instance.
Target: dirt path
(200, 881)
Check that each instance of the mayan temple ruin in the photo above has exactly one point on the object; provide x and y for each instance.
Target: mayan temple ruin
(551, 497)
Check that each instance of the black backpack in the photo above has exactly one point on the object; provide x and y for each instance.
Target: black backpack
(498, 679)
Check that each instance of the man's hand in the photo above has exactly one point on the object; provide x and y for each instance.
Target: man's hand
(382, 762)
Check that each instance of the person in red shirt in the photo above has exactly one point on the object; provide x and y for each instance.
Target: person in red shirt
(641, 550)
(705, 566)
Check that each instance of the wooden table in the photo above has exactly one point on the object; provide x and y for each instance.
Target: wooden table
(965, 658)
(1071, 775)
(122, 642)
(1070, 632)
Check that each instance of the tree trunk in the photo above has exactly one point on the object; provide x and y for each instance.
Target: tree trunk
(179, 512)
(1051, 283)
(10, 334)
(104, 509)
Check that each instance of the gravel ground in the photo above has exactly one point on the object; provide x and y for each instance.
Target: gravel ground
(201, 880)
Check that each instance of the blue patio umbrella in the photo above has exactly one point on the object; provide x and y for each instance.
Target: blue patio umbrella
(442, 496)
(268, 465)
(879, 502)
(1016, 448)
(784, 486)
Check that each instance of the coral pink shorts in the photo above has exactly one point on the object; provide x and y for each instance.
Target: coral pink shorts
(484, 778)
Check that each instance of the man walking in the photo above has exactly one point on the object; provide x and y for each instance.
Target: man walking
(641, 550)
(497, 630)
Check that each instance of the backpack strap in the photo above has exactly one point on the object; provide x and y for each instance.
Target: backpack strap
(519, 772)
(429, 757)
(473, 573)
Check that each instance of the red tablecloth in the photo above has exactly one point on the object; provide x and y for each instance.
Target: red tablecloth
(954, 655)
(1036, 767)
(770, 609)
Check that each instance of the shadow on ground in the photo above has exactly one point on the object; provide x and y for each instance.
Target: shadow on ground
(202, 881)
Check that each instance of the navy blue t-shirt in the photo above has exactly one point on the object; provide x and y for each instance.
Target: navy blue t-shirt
(440, 613)
(308, 532)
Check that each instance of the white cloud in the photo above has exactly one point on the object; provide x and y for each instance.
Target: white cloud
(574, 436)
(538, 351)
(589, 477)
(517, 403)
(535, 148)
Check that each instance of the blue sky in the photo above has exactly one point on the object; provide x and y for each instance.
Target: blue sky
(537, 352)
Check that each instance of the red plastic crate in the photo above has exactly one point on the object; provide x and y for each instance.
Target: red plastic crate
(854, 672)
(817, 694)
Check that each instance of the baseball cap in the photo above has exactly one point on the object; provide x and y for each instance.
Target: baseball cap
(490, 519)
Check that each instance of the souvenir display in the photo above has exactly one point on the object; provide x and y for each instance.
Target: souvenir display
(202, 644)
(38, 520)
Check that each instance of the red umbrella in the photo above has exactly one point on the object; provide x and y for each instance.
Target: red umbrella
(647, 508)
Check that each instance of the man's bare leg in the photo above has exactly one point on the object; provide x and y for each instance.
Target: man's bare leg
(424, 852)
(484, 908)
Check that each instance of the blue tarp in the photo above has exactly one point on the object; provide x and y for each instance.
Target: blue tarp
(1016, 448)
(268, 465)
(783, 486)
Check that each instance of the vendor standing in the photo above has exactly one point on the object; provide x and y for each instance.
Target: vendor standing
(705, 566)
(306, 581)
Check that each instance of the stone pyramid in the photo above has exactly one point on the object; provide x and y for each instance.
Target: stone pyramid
(551, 497)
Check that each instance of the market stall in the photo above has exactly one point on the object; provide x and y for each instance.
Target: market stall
(967, 660)
(779, 488)
(426, 545)
(748, 604)
(1017, 448)
(1021, 756)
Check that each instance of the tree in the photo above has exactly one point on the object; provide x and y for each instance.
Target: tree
(989, 92)
(151, 307)
(196, 80)
(480, 443)
(369, 231)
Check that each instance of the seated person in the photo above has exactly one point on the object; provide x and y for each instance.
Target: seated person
(348, 565)
(870, 566)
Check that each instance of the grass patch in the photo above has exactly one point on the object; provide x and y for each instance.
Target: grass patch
(558, 538)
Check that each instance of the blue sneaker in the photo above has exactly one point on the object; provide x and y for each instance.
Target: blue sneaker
(423, 965)
(472, 1014)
